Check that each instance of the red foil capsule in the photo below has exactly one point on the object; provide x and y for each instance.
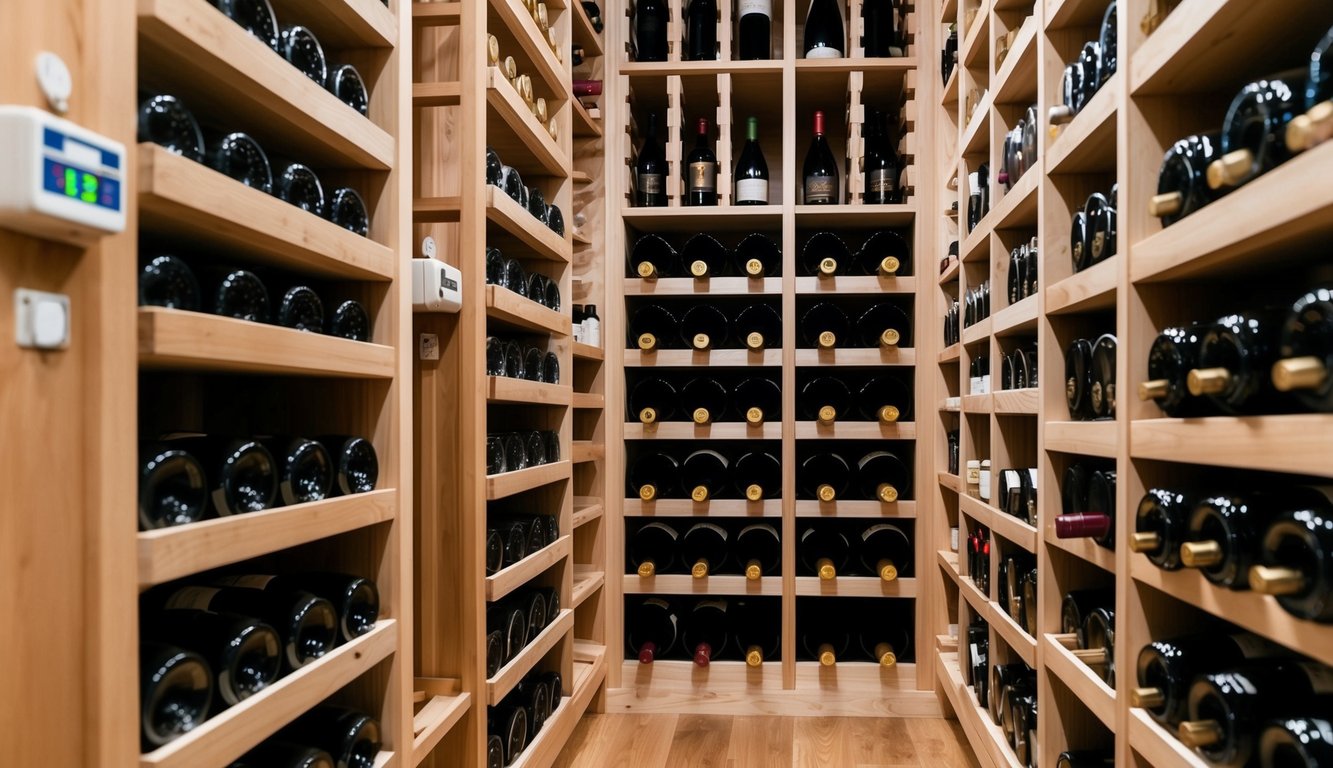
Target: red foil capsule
(1082, 525)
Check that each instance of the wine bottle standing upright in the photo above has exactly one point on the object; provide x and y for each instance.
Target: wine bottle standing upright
(751, 170)
(701, 30)
(879, 162)
(820, 171)
(701, 170)
(881, 29)
(650, 30)
(825, 37)
(650, 169)
(754, 29)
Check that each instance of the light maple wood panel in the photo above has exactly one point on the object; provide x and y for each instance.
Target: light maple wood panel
(508, 676)
(432, 723)
(512, 577)
(510, 309)
(1090, 689)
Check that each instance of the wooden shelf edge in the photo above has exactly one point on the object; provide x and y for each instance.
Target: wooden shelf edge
(588, 401)
(588, 352)
(1092, 289)
(1084, 549)
(434, 721)
(503, 389)
(584, 451)
(172, 553)
(524, 30)
(590, 509)
(509, 483)
(855, 509)
(504, 212)
(543, 750)
(679, 358)
(1095, 694)
(1088, 438)
(688, 430)
(532, 135)
(1074, 143)
(505, 305)
(1017, 401)
(1295, 443)
(1159, 747)
(510, 674)
(511, 578)
(855, 586)
(586, 582)
(716, 508)
(987, 740)
(685, 584)
(1021, 642)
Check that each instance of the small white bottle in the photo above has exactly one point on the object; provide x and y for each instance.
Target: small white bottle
(984, 481)
(592, 327)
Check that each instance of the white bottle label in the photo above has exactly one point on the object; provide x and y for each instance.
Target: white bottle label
(984, 483)
(953, 539)
(751, 190)
(761, 7)
(592, 332)
(196, 598)
(823, 52)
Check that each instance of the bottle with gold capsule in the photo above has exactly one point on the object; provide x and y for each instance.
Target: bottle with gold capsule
(1224, 532)
(758, 400)
(704, 327)
(1307, 351)
(1316, 125)
(757, 256)
(703, 256)
(884, 254)
(1236, 356)
(653, 400)
(886, 644)
(759, 327)
(758, 551)
(882, 476)
(1295, 563)
(825, 399)
(1254, 131)
(703, 549)
(824, 254)
(492, 50)
(510, 69)
(825, 326)
(1160, 524)
(758, 476)
(653, 257)
(754, 624)
(539, 110)
(823, 642)
(706, 474)
(885, 551)
(1172, 355)
(652, 549)
(884, 325)
(704, 399)
(824, 476)
(654, 476)
(885, 399)
(1182, 181)
(1227, 708)
(653, 327)
(824, 551)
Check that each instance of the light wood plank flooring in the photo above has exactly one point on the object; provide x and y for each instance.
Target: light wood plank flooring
(710, 741)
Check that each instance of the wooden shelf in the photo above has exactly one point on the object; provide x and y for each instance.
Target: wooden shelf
(951, 274)
(1258, 613)
(1087, 438)
(855, 430)
(585, 125)
(976, 136)
(1017, 401)
(951, 481)
(350, 23)
(509, 483)
(195, 204)
(587, 509)
(434, 721)
(688, 218)
(951, 405)
(685, 584)
(1016, 79)
(587, 580)
(975, 404)
(580, 239)
(1087, 143)
(587, 352)
(854, 509)
(688, 430)
(252, 85)
(1001, 523)
(987, 738)
(1092, 290)
(977, 332)
(234, 731)
(1018, 207)
(1157, 746)
(514, 132)
(854, 284)
(976, 244)
(714, 286)
(502, 389)
(970, 35)
(589, 672)
(1083, 548)
(172, 553)
(441, 94)
(636, 69)
(1013, 635)
(437, 210)
(508, 308)
(1256, 221)
(1295, 443)
(519, 574)
(581, 177)
(499, 686)
(514, 220)
(860, 216)
(948, 562)
(588, 401)
(950, 353)
(714, 508)
(436, 14)
(1016, 319)
(521, 26)
(681, 358)
(854, 586)
(585, 34)
(978, 600)
(1082, 681)
(858, 357)
(584, 451)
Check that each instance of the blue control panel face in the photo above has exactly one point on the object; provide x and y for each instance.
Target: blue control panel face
(93, 179)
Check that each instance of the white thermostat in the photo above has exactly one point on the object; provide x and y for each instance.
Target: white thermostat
(436, 286)
(59, 180)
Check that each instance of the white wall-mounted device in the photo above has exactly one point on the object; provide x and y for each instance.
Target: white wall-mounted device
(436, 286)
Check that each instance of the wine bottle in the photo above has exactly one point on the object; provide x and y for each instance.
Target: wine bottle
(509, 723)
(881, 29)
(1078, 379)
(240, 157)
(533, 695)
(751, 170)
(703, 548)
(494, 552)
(1307, 351)
(758, 256)
(701, 30)
(653, 400)
(166, 281)
(585, 88)
(701, 170)
(556, 687)
(650, 629)
(754, 30)
(1297, 741)
(884, 399)
(298, 185)
(351, 737)
(1096, 519)
(275, 753)
(654, 476)
(758, 399)
(175, 688)
(824, 36)
(704, 399)
(824, 643)
(820, 171)
(236, 293)
(172, 487)
(758, 475)
(884, 325)
(879, 163)
(356, 466)
(705, 634)
(164, 120)
(650, 30)
(650, 165)
(306, 623)
(299, 46)
(825, 399)
(704, 326)
(1099, 642)
(652, 548)
(824, 476)
(1235, 358)
(355, 598)
(305, 472)
(706, 474)
(301, 309)
(1077, 605)
(346, 84)
(1254, 131)
(533, 606)
(1160, 523)
(243, 653)
(886, 253)
(704, 256)
(1224, 531)
(255, 18)
(1182, 182)
(1165, 668)
(1086, 758)
(1316, 125)
(1099, 218)
(242, 472)
(512, 623)
(758, 550)
(882, 476)
(885, 551)
(823, 253)
(1293, 561)
(760, 326)
(824, 326)
(885, 643)
(653, 327)
(1172, 355)
(824, 551)
(754, 625)
(1227, 708)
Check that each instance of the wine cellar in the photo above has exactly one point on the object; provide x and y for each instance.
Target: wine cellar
(676, 382)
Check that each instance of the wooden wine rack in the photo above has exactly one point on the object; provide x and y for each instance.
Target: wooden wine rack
(1169, 84)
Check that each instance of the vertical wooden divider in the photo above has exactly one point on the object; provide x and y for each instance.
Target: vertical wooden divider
(725, 152)
(789, 198)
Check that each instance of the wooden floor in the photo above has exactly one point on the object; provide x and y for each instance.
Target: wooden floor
(710, 741)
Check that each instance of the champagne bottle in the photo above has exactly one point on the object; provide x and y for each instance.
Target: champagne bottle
(654, 476)
(1294, 561)
(650, 30)
(706, 631)
(823, 476)
(239, 156)
(820, 170)
(758, 400)
(651, 627)
(348, 210)
(884, 325)
(751, 170)
(243, 653)
(1254, 131)
(758, 550)
(760, 326)
(164, 120)
(701, 170)
(653, 400)
(1298, 741)
(1160, 523)
(705, 400)
(824, 36)
(758, 256)
(754, 29)
(1227, 708)
(704, 326)
(172, 487)
(175, 687)
(755, 627)
(275, 753)
(704, 256)
(356, 466)
(1173, 354)
(653, 327)
(1182, 182)
(166, 281)
(1306, 351)
(242, 472)
(758, 475)
(703, 548)
(885, 254)
(881, 29)
(824, 253)
(650, 165)
(884, 399)
(701, 30)
(825, 399)
(885, 551)
(882, 476)
(306, 623)
(824, 551)
(824, 326)
(351, 737)
(706, 474)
